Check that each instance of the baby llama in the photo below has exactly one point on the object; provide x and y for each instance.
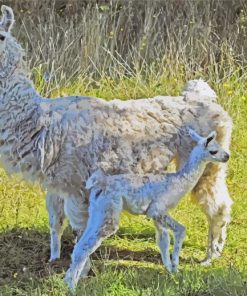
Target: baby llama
(151, 195)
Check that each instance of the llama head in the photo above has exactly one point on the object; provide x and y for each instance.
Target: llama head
(6, 24)
(208, 148)
(10, 51)
(198, 89)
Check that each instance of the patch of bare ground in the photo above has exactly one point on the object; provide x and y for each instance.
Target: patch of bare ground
(24, 255)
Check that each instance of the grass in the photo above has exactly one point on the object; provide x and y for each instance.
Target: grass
(121, 51)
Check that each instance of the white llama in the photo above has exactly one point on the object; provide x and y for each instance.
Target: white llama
(61, 142)
(151, 195)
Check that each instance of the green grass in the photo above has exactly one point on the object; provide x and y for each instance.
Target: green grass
(129, 263)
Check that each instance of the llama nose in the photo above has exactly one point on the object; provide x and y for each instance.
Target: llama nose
(226, 157)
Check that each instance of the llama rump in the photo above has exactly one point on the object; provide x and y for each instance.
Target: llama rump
(61, 142)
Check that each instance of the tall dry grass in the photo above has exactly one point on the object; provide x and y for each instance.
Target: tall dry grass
(65, 40)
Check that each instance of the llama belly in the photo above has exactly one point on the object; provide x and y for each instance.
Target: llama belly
(136, 204)
(169, 201)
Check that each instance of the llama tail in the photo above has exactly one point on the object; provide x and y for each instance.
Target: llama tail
(96, 179)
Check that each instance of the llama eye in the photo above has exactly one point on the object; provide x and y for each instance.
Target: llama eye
(2, 38)
(213, 152)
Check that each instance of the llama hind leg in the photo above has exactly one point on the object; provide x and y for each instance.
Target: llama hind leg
(179, 235)
(55, 207)
(104, 214)
(217, 233)
(212, 194)
(163, 240)
(76, 210)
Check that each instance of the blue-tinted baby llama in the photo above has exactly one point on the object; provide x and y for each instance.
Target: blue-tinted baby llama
(151, 195)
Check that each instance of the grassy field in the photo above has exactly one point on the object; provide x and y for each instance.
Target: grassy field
(123, 52)
(129, 263)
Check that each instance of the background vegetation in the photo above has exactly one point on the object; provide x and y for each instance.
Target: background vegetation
(130, 49)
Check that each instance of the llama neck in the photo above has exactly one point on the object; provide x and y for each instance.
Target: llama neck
(16, 83)
(18, 101)
(16, 89)
(192, 170)
(20, 124)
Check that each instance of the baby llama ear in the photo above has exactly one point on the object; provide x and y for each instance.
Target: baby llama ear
(7, 18)
(210, 137)
(194, 136)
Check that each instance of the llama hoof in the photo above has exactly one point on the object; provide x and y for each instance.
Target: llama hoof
(84, 273)
(69, 280)
(169, 268)
(206, 262)
(54, 258)
(216, 253)
(174, 268)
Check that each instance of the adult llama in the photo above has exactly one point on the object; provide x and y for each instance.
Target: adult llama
(62, 142)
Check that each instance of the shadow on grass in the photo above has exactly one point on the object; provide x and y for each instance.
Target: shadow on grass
(24, 255)
(24, 265)
(127, 233)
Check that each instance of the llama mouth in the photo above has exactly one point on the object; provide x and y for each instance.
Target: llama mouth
(226, 158)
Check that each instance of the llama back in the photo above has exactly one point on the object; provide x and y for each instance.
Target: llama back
(138, 136)
(143, 136)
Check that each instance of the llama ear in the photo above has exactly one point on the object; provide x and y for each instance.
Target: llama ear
(194, 136)
(210, 138)
(7, 18)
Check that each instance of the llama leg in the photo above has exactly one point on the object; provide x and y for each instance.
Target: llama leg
(217, 233)
(219, 222)
(212, 194)
(76, 209)
(104, 213)
(179, 235)
(163, 241)
(55, 207)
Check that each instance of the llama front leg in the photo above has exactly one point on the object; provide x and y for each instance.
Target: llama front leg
(104, 213)
(179, 235)
(55, 207)
(163, 241)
